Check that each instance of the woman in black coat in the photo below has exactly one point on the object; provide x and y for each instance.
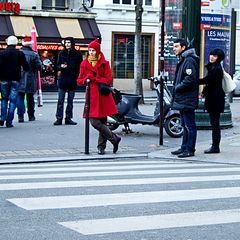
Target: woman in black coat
(214, 96)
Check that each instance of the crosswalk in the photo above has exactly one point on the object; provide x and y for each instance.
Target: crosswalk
(124, 188)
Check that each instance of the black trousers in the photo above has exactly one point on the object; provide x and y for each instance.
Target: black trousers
(104, 132)
(216, 131)
(30, 104)
(60, 104)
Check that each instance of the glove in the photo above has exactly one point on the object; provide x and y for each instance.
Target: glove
(91, 77)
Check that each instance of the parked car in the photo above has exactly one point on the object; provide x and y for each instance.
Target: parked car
(236, 79)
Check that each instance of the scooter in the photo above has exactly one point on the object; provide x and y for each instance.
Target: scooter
(128, 112)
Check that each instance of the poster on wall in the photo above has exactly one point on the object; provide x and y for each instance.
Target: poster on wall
(215, 29)
(173, 29)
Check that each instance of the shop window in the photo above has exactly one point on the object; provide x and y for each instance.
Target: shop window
(54, 4)
(123, 65)
(148, 2)
(126, 2)
(48, 73)
(130, 2)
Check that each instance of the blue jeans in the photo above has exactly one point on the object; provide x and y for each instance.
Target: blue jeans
(9, 92)
(60, 104)
(190, 130)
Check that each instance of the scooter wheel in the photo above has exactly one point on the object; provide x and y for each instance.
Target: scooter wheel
(112, 126)
(173, 126)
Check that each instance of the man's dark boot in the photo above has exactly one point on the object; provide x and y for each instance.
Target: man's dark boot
(20, 118)
(177, 152)
(58, 122)
(212, 149)
(31, 118)
(69, 121)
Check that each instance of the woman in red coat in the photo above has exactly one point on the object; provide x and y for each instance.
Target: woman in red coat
(95, 68)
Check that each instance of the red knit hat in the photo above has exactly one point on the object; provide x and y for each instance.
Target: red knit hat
(27, 41)
(95, 45)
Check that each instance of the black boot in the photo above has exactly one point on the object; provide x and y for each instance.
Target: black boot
(212, 149)
(101, 151)
(58, 122)
(31, 118)
(20, 118)
(115, 145)
(69, 121)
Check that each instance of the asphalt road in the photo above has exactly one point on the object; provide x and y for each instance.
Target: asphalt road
(131, 199)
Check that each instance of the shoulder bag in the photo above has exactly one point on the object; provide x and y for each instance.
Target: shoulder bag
(228, 84)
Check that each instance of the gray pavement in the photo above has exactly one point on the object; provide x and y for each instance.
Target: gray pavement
(40, 141)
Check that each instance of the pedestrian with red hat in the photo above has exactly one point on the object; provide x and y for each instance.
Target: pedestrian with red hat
(28, 81)
(97, 69)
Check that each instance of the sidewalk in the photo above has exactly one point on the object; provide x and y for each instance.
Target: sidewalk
(230, 152)
(147, 137)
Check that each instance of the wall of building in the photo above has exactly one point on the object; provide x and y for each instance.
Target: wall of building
(121, 18)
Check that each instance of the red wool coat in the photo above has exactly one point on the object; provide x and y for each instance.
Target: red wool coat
(100, 105)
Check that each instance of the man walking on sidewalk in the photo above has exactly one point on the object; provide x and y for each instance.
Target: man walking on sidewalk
(68, 69)
(11, 62)
(185, 95)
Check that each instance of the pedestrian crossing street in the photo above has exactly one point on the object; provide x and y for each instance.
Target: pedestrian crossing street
(127, 184)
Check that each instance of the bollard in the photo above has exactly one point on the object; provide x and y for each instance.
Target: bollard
(87, 108)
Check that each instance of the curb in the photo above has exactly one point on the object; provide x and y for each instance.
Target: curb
(72, 158)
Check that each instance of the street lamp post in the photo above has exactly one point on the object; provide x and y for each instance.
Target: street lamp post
(161, 69)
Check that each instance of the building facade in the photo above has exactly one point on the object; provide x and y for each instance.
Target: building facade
(53, 21)
(116, 21)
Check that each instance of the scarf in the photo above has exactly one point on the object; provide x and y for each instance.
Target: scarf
(93, 60)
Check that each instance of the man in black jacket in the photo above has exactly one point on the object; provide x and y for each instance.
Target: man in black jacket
(185, 95)
(68, 69)
(11, 62)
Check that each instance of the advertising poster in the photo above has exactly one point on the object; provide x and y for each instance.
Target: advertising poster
(215, 29)
(173, 30)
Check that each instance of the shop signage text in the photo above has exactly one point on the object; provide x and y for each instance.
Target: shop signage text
(46, 47)
(10, 7)
(52, 47)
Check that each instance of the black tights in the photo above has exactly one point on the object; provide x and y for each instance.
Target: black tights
(216, 131)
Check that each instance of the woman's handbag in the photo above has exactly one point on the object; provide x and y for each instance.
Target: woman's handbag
(117, 96)
(228, 85)
(104, 89)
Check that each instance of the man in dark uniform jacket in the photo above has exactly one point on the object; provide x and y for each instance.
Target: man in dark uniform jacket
(185, 95)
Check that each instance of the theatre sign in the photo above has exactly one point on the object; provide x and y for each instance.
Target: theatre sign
(215, 28)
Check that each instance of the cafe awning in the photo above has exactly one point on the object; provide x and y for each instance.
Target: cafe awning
(49, 29)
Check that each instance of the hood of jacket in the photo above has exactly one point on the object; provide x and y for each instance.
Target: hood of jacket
(190, 52)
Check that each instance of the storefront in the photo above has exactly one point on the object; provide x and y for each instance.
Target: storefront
(50, 32)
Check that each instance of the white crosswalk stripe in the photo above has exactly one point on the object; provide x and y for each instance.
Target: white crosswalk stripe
(126, 224)
(201, 181)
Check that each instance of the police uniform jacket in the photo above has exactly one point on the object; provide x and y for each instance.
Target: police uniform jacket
(185, 87)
